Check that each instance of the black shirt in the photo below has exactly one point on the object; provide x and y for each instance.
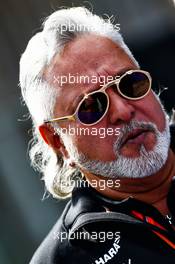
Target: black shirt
(96, 230)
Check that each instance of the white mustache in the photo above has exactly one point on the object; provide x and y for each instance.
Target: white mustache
(129, 128)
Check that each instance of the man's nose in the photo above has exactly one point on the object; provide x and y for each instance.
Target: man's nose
(121, 110)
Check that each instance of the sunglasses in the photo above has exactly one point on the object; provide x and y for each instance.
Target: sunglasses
(132, 85)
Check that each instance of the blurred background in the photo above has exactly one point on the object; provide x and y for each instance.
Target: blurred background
(148, 28)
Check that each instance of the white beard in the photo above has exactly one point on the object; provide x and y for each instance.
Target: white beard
(148, 163)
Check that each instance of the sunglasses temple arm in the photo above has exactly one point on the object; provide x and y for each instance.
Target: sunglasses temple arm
(70, 118)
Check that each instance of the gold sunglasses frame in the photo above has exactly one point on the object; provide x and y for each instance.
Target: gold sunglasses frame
(74, 116)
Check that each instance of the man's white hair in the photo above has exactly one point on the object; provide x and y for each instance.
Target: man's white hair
(59, 28)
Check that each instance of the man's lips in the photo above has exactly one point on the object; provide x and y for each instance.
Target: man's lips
(136, 136)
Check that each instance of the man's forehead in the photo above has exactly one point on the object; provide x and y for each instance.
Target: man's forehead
(89, 45)
(88, 54)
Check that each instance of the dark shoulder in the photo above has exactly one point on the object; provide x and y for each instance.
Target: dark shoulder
(53, 244)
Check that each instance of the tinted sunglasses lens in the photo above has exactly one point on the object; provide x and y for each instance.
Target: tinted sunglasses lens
(134, 84)
(93, 108)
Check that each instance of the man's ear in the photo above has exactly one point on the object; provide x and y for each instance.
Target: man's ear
(52, 139)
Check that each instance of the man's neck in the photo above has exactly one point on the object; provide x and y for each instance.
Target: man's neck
(151, 189)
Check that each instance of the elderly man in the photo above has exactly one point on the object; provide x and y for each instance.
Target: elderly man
(100, 135)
